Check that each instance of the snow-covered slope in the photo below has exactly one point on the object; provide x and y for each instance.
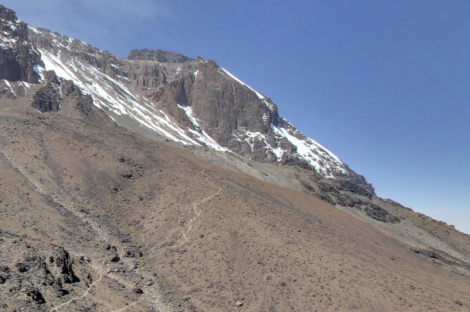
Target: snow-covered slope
(109, 94)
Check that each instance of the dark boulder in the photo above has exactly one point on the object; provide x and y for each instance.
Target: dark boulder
(380, 214)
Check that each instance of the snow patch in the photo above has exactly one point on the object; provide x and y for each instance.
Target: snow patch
(266, 118)
(34, 30)
(26, 86)
(201, 136)
(324, 161)
(252, 136)
(10, 86)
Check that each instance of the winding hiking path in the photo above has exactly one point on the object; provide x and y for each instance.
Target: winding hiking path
(190, 223)
(77, 298)
(126, 307)
(197, 213)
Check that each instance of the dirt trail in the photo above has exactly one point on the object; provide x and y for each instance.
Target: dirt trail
(185, 231)
(77, 298)
(197, 213)
(127, 307)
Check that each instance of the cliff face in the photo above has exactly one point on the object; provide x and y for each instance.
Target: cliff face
(17, 55)
(240, 119)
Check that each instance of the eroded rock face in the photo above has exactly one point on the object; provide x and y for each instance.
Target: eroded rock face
(65, 48)
(224, 106)
(158, 55)
(380, 214)
(60, 265)
(48, 98)
(17, 55)
(150, 77)
(35, 275)
(63, 95)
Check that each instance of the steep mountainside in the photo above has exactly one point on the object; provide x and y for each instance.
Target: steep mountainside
(163, 183)
(190, 101)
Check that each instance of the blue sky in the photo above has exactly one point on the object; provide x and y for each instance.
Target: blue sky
(385, 85)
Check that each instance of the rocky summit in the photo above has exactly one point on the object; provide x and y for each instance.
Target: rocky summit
(160, 182)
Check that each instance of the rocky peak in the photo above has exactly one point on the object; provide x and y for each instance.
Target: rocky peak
(10, 26)
(158, 55)
(7, 14)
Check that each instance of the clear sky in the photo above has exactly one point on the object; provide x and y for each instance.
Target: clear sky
(385, 85)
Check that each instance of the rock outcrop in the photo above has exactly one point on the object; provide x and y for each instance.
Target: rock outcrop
(48, 98)
(36, 276)
(158, 55)
(17, 55)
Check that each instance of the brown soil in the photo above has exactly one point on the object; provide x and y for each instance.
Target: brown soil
(137, 214)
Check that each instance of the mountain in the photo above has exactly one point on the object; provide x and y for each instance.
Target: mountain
(159, 182)
(190, 101)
